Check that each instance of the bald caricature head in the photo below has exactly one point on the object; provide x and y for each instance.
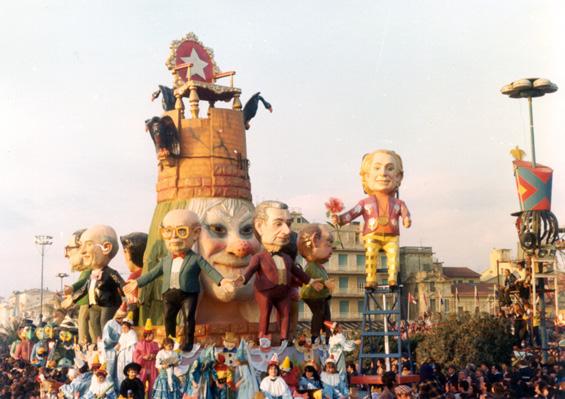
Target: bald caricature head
(99, 244)
(180, 229)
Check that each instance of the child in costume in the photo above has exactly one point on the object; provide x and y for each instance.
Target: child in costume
(290, 374)
(246, 382)
(310, 384)
(167, 385)
(101, 387)
(106, 346)
(273, 386)
(144, 354)
(381, 175)
(132, 387)
(125, 347)
(334, 383)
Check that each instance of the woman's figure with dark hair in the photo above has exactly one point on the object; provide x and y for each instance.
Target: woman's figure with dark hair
(310, 381)
(134, 247)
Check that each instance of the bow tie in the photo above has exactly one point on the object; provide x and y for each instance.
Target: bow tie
(276, 253)
(179, 255)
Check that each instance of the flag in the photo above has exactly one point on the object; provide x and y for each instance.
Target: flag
(411, 299)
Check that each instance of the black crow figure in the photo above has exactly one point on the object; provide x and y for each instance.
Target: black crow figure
(164, 134)
(250, 108)
(168, 99)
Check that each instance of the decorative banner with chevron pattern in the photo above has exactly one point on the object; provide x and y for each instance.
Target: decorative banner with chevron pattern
(534, 186)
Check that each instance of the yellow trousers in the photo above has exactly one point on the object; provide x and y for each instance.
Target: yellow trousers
(374, 242)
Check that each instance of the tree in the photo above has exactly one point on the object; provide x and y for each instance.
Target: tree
(470, 339)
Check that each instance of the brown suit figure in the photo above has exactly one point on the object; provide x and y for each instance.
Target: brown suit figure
(274, 270)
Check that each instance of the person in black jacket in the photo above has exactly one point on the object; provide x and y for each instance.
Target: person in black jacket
(103, 288)
(132, 387)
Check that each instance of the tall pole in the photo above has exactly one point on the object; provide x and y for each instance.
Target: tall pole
(41, 290)
(42, 241)
(532, 141)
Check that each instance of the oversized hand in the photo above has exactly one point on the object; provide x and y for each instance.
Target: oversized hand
(317, 284)
(130, 287)
(228, 285)
(67, 302)
(68, 290)
(407, 222)
(335, 219)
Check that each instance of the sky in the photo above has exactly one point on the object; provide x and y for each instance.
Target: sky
(422, 78)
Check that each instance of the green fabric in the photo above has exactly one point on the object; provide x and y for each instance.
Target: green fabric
(150, 295)
(189, 273)
(315, 271)
(82, 279)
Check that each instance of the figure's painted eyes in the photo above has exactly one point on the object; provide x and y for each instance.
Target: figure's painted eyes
(218, 229)
(246, 230)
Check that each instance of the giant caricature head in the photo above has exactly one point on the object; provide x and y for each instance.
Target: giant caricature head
(227, 241)
(272, 224)
(99, 244)
(180, 229)
(315, 243)
(73, 253)
(134, 247)
(381, 172)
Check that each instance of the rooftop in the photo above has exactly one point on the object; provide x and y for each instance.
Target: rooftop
(464, 272)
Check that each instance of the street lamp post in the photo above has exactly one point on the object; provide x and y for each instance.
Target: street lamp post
(531, 88)
(62, 276)
(42, 241)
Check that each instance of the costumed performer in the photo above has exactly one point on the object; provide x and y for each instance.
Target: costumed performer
(79, 384)
(224, 387)
(381, 175)
(132, 387)
(310, 382)
(315, 245)
(273, 386)
(191, 385)
(338, 344)
(103, 288)
(290, 375)
(144, 354)
(335, 384)
(107, 345)
(125, 347)
(167, 385)
(181, 271)
(246, 382)
(24, 346)
(39, 349)
(274, 270)
(101, 387)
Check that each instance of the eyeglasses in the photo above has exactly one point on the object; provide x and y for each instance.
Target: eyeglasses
(68, 249)
(181, 232)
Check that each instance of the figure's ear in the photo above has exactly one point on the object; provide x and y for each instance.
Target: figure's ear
(107, 248)
(196, 230)
(258, 223)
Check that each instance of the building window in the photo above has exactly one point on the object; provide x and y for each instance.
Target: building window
(360, 307)
(432, 304)
(361, 283)
(342, 260)
(300, 308)
(446, 302)
(343, 283)
(382, 264)
(360, 262)
(343, 307)
(432, 287)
